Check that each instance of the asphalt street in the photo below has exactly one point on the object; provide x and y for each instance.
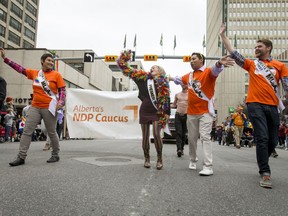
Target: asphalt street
(107, 177)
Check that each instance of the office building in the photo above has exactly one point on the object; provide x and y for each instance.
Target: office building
(18, 23)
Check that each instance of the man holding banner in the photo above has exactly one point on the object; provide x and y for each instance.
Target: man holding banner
(155, 107)
(263, 98)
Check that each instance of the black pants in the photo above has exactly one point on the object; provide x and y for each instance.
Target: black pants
(181, 129)
(265, 121)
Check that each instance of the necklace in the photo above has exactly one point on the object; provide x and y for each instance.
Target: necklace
(161, 84)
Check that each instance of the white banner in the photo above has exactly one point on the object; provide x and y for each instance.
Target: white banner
(103, 114)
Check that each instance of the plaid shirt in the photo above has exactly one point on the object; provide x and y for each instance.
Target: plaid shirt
(239, 58)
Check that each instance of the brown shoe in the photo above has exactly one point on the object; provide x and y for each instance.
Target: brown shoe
(147, 163)
(159, 164)
(46, 147)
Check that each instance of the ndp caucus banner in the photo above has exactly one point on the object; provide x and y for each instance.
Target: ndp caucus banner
(102, 114)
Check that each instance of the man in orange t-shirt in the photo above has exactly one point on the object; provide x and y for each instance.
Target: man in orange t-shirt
(201, 86)
(263, 101)
(48, 96)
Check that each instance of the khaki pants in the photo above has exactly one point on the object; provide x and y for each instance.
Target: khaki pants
(238, 134)
(200, 126)
(33, 118)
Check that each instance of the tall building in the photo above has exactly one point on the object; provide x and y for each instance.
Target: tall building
(247, 21)
(18, 23)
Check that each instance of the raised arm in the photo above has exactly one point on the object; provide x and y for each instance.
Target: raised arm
(127, 70)
(225, 39)
(239, 59)
(15, 66)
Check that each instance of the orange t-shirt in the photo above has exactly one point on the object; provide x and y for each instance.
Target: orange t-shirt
(54, 80)
(238, 120)
(259, 89)
(196, 105)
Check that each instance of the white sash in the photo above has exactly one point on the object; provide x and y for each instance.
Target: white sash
(264, 70)
(153, 98)
(200, 94)
(152, 92)
(49, 92)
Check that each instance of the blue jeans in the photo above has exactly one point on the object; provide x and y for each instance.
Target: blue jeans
(265, 121)
(180, 129)
(7, 132)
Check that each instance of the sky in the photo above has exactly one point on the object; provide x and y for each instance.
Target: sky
(101, 25)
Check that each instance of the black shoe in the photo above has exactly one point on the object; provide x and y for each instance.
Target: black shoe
(179, 153)
(17, 162)
(53, 159)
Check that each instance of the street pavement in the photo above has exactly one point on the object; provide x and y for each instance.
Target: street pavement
(107, 177)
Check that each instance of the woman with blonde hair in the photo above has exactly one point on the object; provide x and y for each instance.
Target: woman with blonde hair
(155, 108)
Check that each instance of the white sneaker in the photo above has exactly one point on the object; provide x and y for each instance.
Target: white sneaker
(207, 171)
(192, 165)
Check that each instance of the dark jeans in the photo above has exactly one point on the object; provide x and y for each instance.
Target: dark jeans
(180, 128)
(7, 132)
(59, 129)
(265, 121)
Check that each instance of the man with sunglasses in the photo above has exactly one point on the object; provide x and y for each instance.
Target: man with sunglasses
(200, 112)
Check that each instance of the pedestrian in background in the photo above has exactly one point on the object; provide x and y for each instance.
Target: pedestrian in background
(238, 120)
(8, 121)
(48, 96)
(263, 99)
(200, 113)
(181, 104)
(155, 107)
(3, 90)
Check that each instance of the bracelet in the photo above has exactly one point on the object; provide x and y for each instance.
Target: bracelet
(218, 62)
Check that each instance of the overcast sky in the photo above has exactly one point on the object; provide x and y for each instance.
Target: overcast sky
(101, 25)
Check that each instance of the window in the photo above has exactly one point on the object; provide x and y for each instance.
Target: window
(27, 44)
(4, 2)
(29, 34)
(21, 1)
(35, 1)
(31, 9)
(246, 77)
(2, 31)
(15, 24)
(16, 10)
(3, 15)
(2, 43)
(30, 21)
(14, 38)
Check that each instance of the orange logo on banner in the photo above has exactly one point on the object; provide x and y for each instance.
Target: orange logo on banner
(134, 108)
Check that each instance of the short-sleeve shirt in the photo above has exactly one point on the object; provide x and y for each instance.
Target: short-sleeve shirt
(206, 81)
(54, 80)
(259, 89)
(238, 119)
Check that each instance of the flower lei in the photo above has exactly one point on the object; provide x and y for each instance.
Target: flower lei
(161, 84)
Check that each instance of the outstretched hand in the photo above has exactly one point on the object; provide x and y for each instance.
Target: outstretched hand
(3, 53)
(127, 54)
(222, 29)
(227, 61)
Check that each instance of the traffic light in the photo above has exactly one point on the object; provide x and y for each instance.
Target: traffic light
(186, 58)
(150, 57)
(133, 55)
(110, 58)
